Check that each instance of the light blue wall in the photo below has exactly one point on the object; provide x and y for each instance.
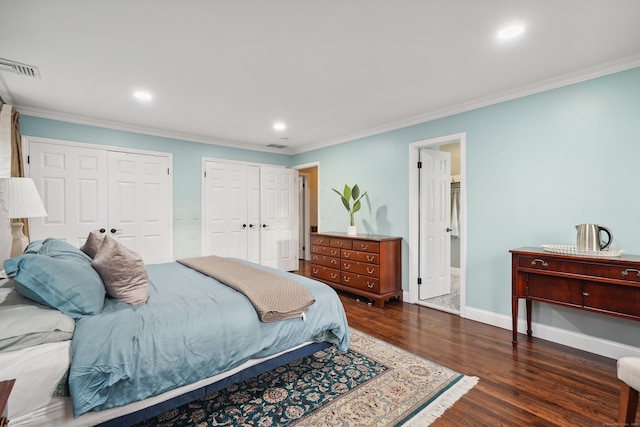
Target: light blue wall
(187, 160)
(536, 166)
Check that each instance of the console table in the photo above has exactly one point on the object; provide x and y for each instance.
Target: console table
(602, 285)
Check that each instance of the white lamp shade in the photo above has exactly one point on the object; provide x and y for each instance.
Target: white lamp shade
(20, 198)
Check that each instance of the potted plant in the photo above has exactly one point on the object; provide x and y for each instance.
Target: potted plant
(351, 194)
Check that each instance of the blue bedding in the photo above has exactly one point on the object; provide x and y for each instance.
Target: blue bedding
(192, 327)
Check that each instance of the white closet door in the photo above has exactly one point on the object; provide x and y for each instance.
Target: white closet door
(279, 218)
(138, 204)
(73, 184)
(253, 214)
(225, 229)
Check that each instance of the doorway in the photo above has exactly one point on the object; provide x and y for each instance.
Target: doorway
(308, 220)
(429, 239)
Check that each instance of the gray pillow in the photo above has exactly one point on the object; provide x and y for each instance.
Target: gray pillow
(92, 244)
(122, 271)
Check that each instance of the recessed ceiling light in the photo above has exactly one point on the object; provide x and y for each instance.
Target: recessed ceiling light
(141, 95)
(510, 32)
(279, 126)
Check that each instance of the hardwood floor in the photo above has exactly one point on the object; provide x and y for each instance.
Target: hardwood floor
(539, 384)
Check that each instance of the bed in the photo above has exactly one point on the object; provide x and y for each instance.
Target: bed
(125, 362)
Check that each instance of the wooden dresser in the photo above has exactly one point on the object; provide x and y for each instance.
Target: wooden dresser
(602, 285)
(366, 265)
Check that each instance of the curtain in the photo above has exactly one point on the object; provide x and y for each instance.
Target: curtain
(11, 141)
(455, 211)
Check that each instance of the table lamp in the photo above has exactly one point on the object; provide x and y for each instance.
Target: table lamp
(19, 198)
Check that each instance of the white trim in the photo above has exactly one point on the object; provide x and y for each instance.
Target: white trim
(577, 340)
(601, 70)
(414, 149)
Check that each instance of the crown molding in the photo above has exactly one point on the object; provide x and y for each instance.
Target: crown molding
(601, 70)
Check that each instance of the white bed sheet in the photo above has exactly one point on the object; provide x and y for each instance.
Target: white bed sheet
(47, 411)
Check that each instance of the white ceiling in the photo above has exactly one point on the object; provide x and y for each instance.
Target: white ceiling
(224, 71)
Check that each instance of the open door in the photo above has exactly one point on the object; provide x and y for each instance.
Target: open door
(434, 224)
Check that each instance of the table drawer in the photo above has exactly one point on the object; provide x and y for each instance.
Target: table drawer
(357, 281)
(325, 260)
(612, 298)
(361, 268)
(325, 250)
(371, 258)
(617, 272)
(554, 289)
(340, 243)
(550, 264)
(325, 273)
(366, 246)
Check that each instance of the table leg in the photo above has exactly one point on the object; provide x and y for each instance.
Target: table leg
(528, 304)
(514, 319)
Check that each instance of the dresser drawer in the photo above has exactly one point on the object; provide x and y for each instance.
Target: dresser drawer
(325, 260)
(361, 268)
(366, 246)
(320, 240)
(357, 281)
(612, 298)
(617, 272)
(325, 250)
(554, 289)
(325, 273)
(341, 243)
(371, 258)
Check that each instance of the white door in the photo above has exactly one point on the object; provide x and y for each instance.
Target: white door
(138, 204)
(303, 215)
(279, 218)
(73, 184)
(435, 217)
(253, 213)
(225, 231)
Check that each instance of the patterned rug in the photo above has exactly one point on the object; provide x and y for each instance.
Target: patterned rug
(373, 384)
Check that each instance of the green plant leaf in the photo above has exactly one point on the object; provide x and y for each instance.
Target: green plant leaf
(356, 207)
(345, 202)
(347, 192)
(355, 192)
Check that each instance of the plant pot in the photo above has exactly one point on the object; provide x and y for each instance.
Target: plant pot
(352, 230)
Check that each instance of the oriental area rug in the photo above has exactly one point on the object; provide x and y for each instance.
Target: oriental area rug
(373, 384)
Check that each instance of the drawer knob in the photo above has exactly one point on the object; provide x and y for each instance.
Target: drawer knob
(370, 285)
(333, 261)
(586, 294)
(631, 270)
(346, 254)
(371, 270)
(340, 244)
(315, 270)
(541, 261)
(364, 247)
(346, 266)
(334, 252)
(346, 279)
(370, 259)
(334, 275)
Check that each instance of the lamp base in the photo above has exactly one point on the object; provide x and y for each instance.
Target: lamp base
(20, 241)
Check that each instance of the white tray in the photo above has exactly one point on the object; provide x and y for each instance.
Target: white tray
(572, 250)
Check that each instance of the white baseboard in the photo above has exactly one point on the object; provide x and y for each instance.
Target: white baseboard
(580, 341)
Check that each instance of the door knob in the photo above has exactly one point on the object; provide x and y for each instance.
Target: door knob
(102, 230)
(264, 225)
(244, 225)
(251, 225)
(113, 230)
(449, 229)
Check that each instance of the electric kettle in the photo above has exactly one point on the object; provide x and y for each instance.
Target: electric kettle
(589, 237)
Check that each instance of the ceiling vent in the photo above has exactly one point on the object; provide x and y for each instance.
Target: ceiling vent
(276, 146)
(19, 68)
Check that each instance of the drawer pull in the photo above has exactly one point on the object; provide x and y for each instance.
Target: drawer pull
(315, 250)
(541, 261)
(364, 247)
(334, 252)
(346, 266)
(315, 257)
(370, 259)
(315, 270)
(371, 271)
(346, 279)
(346, 255)
(334, 275)
(631, 270)
(340, 244)
(333, 261)
(586, 294)
(320, 241)
(370, 285)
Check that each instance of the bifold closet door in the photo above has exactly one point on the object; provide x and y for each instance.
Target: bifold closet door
(138, 204)
(125, 195)
(73, 184)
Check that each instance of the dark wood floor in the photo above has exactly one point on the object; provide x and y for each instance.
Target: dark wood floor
(539, 384)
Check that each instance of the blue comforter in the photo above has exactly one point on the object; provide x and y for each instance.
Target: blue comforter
(191, 328)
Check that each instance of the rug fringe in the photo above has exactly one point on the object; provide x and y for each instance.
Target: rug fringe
(436, 408)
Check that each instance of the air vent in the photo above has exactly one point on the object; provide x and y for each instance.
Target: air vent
(19, 68)
(276, 146)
